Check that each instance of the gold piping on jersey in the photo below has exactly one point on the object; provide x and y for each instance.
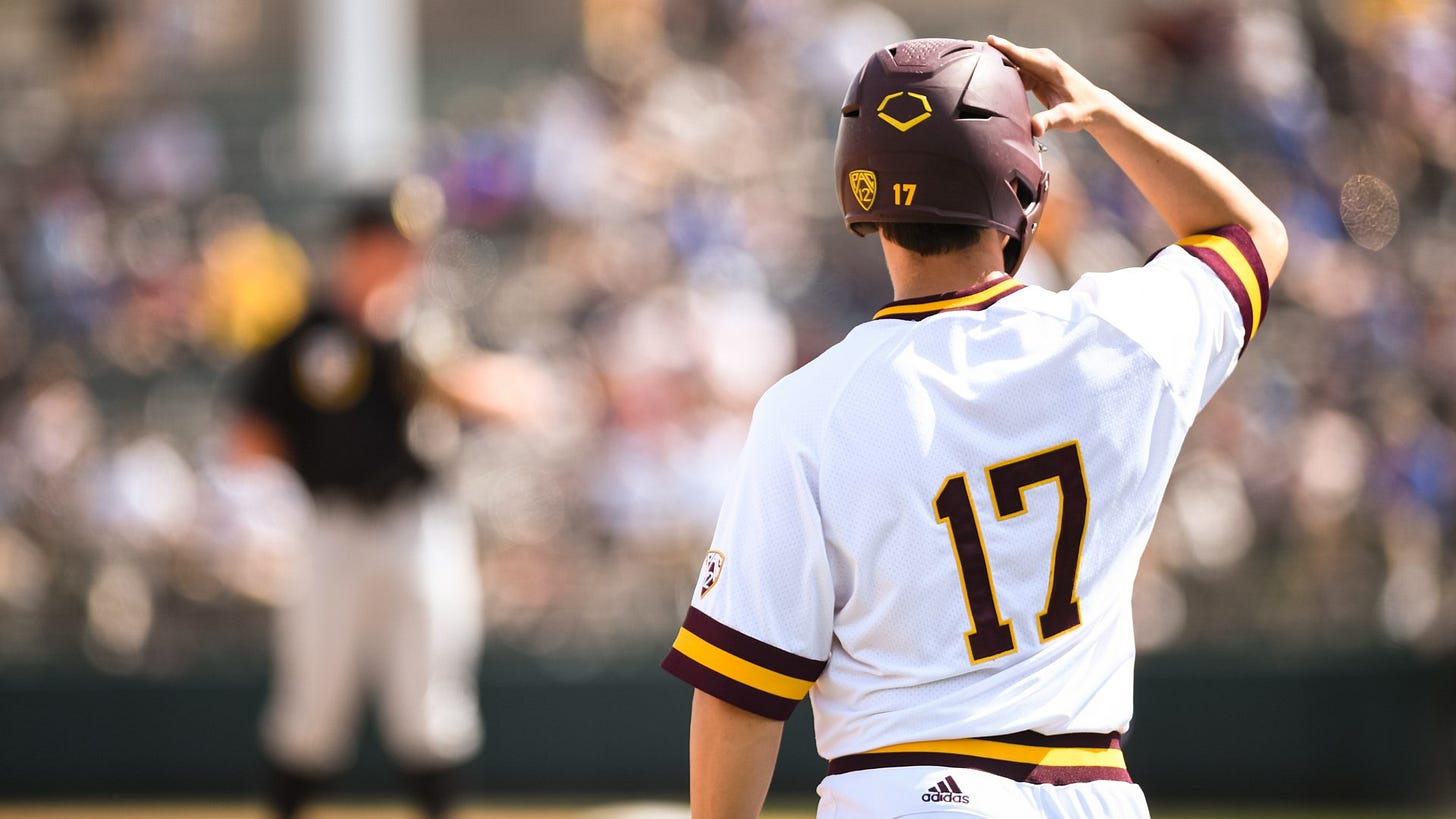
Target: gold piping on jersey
(977, 298)
(1014, 752)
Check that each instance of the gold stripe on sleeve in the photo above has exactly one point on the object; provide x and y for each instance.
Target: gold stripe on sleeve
(737, 668)
(1229, 252)
(1012, 752)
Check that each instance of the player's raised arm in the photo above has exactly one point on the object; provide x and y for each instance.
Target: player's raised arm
(1189, 189)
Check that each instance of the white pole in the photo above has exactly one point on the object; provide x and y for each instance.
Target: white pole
(361, 90)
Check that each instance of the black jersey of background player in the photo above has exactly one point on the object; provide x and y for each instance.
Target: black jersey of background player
(340, 399)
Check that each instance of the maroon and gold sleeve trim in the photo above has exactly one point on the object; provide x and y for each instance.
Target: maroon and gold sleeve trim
(1038, 759)
(979, 297)
(1230, 252)
(739, 669)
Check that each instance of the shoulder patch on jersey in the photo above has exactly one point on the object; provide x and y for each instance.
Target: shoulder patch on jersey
(711, 573)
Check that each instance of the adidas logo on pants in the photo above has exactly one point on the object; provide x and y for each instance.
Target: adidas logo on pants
(945, 791)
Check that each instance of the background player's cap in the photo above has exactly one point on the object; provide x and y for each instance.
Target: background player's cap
(939, 131)
(364, 213)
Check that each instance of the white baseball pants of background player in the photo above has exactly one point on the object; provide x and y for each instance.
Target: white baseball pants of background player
(383, 604)
(926, 792)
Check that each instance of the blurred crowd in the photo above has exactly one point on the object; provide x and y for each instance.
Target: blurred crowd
(653, 225)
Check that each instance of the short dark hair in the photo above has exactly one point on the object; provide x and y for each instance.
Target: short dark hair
(369, 214)
(930, 239)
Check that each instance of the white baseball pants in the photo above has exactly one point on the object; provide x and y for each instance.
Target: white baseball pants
(385, 604)
(957, 793)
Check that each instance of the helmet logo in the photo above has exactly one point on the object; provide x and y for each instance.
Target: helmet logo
(863, 184)
(904, 125)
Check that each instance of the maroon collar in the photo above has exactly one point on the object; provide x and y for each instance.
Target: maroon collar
(979, 297)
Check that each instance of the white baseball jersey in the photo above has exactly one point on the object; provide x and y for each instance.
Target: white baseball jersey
(936, 524)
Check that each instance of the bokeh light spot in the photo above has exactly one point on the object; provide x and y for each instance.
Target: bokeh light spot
(1370, 211)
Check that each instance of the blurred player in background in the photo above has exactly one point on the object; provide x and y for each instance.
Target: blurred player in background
(936, 524)
(385, 599)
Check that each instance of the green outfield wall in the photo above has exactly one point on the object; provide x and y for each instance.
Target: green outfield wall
(1372, 728)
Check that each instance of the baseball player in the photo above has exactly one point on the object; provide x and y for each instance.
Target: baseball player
(936, 524)
(385, 598)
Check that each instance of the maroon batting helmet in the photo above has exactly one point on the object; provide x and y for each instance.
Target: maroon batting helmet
(940, 131)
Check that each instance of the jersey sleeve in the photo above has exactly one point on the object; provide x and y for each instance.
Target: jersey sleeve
(1193, 308)
(758, 631)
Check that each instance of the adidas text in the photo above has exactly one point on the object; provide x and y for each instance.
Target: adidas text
(945, 791)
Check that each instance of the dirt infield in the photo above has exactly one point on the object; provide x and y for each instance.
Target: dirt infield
(581, 810)
(203, 810)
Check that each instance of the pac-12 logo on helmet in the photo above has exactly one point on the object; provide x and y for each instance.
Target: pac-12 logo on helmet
(712, 571)
(864, 185)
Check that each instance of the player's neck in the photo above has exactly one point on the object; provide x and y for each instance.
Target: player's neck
(914, 276)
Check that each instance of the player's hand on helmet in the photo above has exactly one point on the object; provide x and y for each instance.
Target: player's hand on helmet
(1072, 101)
